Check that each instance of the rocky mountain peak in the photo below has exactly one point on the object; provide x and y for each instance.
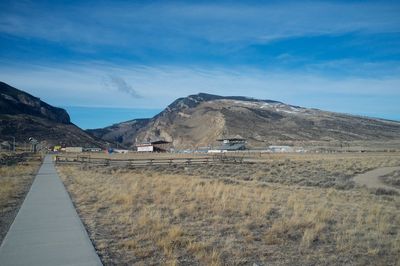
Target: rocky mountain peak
(194, 100)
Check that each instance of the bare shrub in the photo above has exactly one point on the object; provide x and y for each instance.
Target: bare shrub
(392, 179)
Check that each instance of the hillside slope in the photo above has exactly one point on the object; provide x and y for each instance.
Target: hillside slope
(123, 133)
(198, 120)
(23, 116)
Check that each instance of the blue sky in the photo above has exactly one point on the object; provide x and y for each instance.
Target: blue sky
(342, 56)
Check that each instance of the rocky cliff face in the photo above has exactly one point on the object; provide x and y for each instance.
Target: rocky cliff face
(17, 102)
(198, 120)
(23, 116)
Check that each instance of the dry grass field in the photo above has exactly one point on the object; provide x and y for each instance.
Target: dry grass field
(292, 210)
(15, 181)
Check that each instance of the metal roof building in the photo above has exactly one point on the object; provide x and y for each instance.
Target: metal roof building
(235, 143)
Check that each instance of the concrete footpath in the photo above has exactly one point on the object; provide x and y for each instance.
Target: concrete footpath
(47, 229)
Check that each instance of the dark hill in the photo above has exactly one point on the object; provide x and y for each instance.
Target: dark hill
(23, 116)
(17, 102)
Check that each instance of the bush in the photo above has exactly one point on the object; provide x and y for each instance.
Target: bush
(384, 191)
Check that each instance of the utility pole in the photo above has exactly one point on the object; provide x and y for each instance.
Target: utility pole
(13, 144)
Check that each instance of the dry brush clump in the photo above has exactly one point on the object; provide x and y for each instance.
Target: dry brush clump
(392, 179)
(12, 177)
(144, 217)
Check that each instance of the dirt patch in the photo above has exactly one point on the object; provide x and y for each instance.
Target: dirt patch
(373, 179)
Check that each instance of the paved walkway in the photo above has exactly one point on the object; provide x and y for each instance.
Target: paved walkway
(47, 229)
(371, 178)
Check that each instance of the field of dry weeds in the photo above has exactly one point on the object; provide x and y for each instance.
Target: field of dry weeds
(282, 212)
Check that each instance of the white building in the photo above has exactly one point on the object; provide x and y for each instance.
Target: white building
(73, 149)
(281, 149)
(154, 146)
(285, 149)
(145, 147)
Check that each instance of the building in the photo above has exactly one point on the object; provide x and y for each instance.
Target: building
(155, 146)
(280, 149)
(236, 143)
(73, 149)
(144, 147)
(93, 149)
(285, 149)
(57, 148)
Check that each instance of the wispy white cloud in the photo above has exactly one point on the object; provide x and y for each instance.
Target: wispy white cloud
(82, 85)
(337, 80)
(119, 84)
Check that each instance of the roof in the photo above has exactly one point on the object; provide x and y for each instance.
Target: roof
(233, 138)
(143, 144)
(160, 142)
(152, 143)
(232, 147)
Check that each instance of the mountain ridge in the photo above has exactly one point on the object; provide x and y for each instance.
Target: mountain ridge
(200, 119)
(14, 101)
(24, 116)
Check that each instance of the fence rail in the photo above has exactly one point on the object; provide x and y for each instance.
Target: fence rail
(59, 159)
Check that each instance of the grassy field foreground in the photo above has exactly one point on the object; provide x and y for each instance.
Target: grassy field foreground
(149, 217)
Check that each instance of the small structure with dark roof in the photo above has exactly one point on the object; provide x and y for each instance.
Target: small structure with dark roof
(234, 143)
(154, 146)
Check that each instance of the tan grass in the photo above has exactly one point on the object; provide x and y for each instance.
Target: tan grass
(136, 218)
(12, 177)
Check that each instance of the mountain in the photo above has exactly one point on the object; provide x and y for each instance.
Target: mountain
(23, 116)
(123, 133)
(199, 120)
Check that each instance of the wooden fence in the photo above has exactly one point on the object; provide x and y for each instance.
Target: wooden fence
(216, 159)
